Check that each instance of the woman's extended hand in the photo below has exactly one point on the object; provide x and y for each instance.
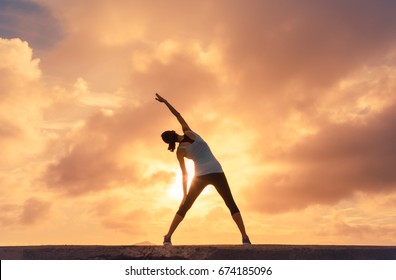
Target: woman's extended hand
(160, 98)
(183, 123)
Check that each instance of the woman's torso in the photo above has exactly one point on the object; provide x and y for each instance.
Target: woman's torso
(199, 152)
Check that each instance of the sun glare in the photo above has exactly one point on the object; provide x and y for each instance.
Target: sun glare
(176, 190)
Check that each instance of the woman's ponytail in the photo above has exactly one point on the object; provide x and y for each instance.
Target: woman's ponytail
(170, 137)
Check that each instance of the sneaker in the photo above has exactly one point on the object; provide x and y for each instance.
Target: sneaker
(246, 241)
(167, 240)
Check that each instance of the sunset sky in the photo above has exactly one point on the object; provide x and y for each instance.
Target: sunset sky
(297, 100)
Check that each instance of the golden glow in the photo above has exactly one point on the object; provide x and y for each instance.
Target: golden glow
(176, 190)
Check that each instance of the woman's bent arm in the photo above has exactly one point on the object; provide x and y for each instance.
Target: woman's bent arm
(180, 156)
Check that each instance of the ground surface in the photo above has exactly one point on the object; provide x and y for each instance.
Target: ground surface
(202, 252)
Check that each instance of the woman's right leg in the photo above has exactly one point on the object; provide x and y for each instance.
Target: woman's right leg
(197, 185)
(176, 221)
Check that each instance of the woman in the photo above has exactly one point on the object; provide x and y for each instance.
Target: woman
(208, 171)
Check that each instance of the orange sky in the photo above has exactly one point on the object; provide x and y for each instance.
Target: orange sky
(297, 99)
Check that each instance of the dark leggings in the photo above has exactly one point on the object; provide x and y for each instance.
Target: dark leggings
(219, 181)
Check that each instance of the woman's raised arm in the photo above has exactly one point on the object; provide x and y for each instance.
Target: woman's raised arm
(174, 112)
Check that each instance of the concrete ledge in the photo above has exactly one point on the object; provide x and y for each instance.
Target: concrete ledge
(201, 252)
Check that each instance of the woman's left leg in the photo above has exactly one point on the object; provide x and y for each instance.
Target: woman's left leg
(175, 223)
(219, 181)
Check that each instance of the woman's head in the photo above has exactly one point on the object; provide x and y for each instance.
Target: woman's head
(170, 137)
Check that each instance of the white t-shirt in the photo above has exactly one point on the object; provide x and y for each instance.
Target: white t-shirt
(204, 160)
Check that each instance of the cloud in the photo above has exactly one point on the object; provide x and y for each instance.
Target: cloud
(315, 42)
(34, 210)
(17, 61)
(91, 160)
(284, 57)
(21, 101)
(108, 151)
(31, 212)
(333, 165)
(268, 48)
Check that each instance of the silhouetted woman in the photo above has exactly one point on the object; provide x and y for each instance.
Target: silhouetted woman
(208, 171)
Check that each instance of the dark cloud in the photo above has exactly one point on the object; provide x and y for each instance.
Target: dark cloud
(284, 56)
(314, 42)
(34, 210)
(339, 161)
(91, 162)
(30, 22)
